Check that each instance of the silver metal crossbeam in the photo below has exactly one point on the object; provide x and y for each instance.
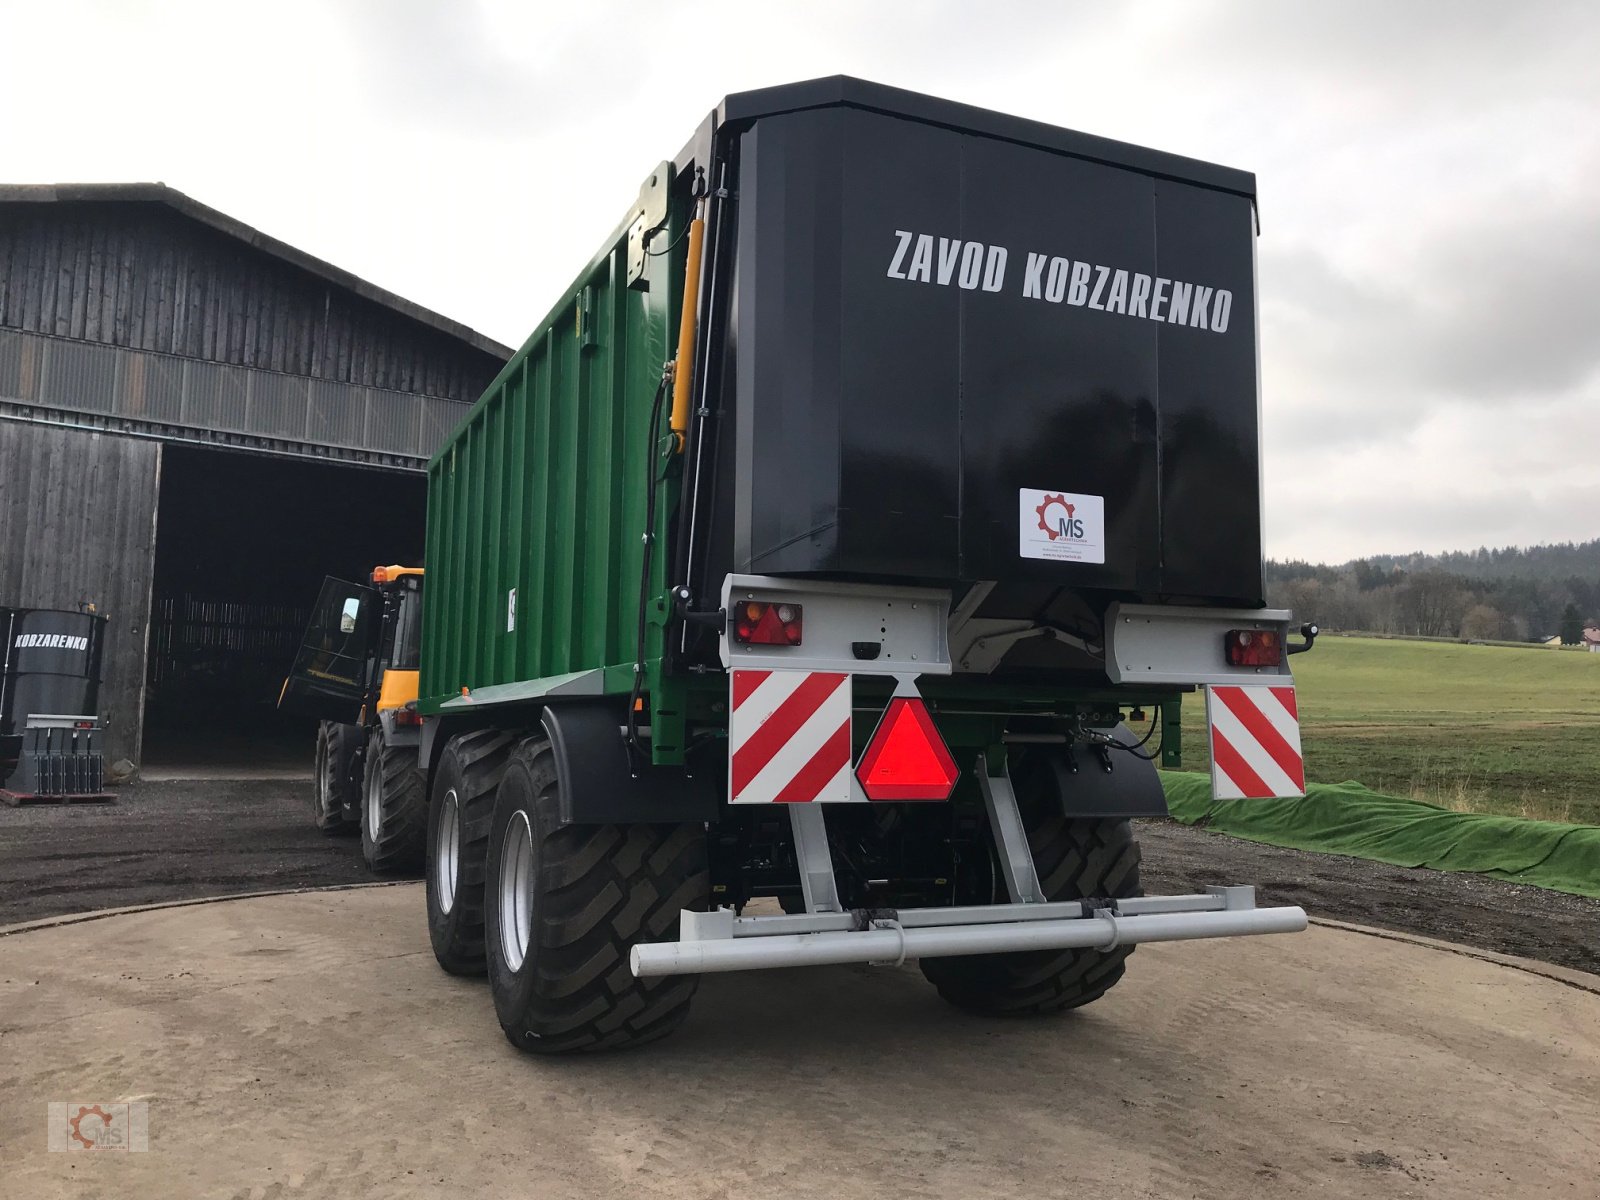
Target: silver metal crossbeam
(720, 941)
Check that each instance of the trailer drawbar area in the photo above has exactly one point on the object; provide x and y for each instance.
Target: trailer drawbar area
(849, 534)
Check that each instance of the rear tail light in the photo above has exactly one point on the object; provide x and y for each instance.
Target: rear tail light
(764, 623)
(407, 716)
(1254, 648)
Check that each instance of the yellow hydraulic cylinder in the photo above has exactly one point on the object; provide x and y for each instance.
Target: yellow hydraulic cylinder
(683, 373)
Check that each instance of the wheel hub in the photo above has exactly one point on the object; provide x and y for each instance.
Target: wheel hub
(447, 846)
(515, 892)
(374, 804)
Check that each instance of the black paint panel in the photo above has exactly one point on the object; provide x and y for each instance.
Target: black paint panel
(1210, 465)
(886, 425)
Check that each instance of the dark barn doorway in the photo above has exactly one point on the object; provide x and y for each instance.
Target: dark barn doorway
(242, 544)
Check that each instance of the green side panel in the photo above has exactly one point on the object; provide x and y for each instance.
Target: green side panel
(541, 490)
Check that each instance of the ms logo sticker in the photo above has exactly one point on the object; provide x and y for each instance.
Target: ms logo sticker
(1062, 526)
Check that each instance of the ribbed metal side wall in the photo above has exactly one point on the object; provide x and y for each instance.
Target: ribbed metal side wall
(205, 398)
(144, 277)
(77, 524)
(543, 490)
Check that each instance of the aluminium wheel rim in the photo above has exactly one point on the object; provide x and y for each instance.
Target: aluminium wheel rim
(374, 804)
(324, 770)
(515, 892)
(447, 845)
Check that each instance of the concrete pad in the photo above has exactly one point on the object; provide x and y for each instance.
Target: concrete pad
(306, 1045)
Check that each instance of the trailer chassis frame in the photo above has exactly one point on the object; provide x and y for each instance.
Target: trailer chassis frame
(828, 934)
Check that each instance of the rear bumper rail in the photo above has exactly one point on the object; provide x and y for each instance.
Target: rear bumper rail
(721, 941)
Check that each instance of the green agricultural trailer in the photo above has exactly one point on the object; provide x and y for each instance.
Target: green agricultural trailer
(846, 538)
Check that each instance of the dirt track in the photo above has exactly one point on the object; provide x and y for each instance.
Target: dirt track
(308, 1046)
(167, 841)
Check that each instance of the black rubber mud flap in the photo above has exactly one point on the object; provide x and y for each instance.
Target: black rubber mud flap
(1132, 788)
(604, 782)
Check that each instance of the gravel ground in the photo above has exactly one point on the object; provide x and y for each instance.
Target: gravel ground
(191, 838)
(1473, 910)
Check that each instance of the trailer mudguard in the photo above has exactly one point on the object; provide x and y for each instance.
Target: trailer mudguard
(603, 782)
(1132, 788)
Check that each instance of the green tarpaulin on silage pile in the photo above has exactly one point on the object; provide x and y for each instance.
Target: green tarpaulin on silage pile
(1347, 818)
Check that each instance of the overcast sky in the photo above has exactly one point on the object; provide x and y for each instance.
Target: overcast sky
(1429, 177)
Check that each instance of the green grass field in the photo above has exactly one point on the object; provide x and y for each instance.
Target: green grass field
(1474, 728)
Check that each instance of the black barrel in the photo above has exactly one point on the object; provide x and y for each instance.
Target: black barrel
(49, 664)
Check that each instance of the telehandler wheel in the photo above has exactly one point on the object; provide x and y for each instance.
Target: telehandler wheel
(459, 814)
(394, 807)
(566, 904)
(334, 789)
(1074, 858)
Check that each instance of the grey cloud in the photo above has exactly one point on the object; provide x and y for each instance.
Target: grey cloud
(441, 64)
(1415, 55)
(1491, 313)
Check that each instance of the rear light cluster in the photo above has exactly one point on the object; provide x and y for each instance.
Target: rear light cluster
(407, 716)
(765, 623)
(1254, 648)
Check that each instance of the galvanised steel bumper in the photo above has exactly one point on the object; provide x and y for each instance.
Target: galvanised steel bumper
(721, 941)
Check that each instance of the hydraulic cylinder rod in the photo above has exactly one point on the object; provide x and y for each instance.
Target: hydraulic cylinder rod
(897, 944)
(683, 373)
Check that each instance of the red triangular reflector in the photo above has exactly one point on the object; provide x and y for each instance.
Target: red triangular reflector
(906, 758)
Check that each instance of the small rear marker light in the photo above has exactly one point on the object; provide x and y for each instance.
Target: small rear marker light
(406, 716)
(1254, 648)
(762, 623)
(906, 758)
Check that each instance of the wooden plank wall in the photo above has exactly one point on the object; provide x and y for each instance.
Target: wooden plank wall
(140, 276)
(77, 524)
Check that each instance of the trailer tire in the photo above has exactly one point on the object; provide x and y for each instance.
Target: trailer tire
(460, 811)
(1075, 858)
(333, 786)
(394, 808)
(565, 905)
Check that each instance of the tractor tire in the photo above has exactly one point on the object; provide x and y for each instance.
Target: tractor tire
(565, 904)
(394, 808)
(460, 811)
(333, 782)
(1074, 858)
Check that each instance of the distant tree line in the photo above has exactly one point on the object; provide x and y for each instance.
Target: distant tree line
(1512, 594)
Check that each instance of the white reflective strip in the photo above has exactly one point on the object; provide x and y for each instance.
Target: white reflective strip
(799, 750)
(1272, 708)
(1254, 754)
(760, 704)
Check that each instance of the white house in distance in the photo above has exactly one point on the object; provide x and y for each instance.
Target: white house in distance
(1591, 638)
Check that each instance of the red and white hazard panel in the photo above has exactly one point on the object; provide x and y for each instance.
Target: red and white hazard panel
(1255, 742)
(789, 737)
